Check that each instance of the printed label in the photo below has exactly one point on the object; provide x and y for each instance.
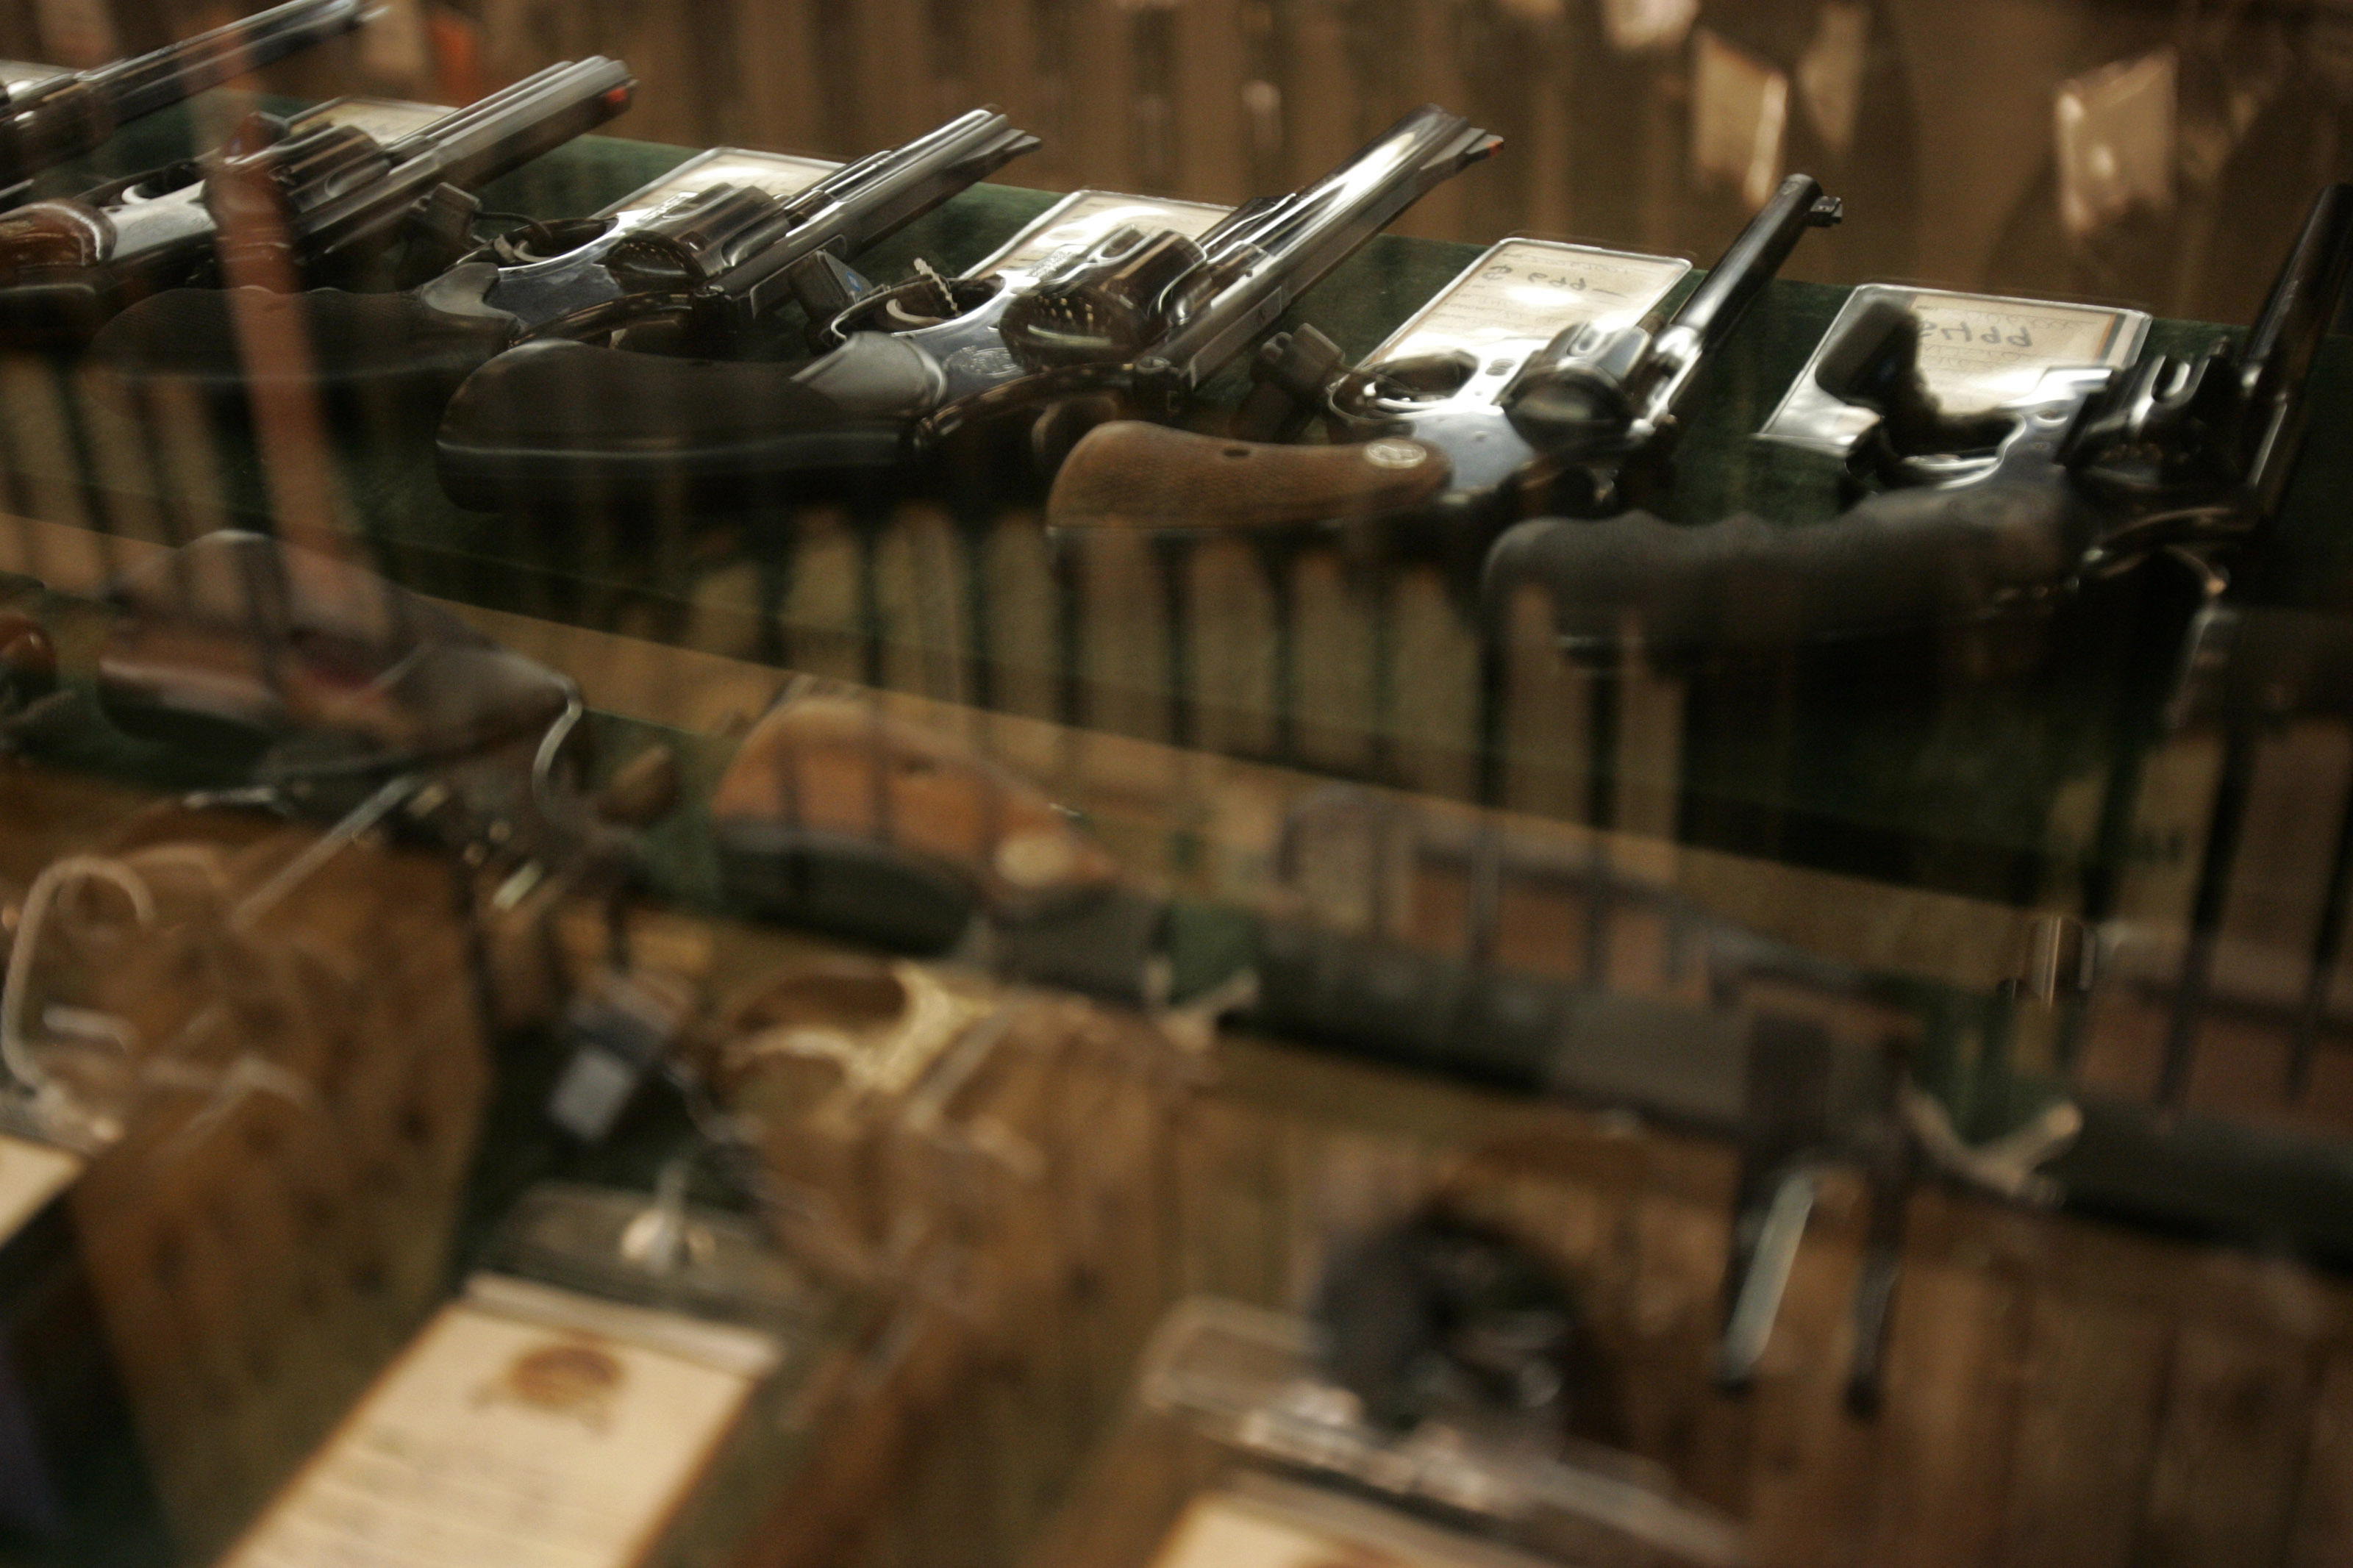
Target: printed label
(779, 173)
(1977, 352)
(1085, 217)
(386, 119)
(1525, 292)
(509, 1439)
(15, 74)
(30, 1176)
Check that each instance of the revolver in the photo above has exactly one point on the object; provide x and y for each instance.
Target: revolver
(699, 271)
(1448, 446)
(1969, 517)
(1000, 364)
(46, 121)
(327, 201)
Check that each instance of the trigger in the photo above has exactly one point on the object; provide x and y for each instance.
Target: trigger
(825, 286)
(440, 230)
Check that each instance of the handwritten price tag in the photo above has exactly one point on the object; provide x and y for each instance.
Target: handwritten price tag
(1086, 217)
(507, 1441)
(777, 174)
(1977, 352)
(1526, 291)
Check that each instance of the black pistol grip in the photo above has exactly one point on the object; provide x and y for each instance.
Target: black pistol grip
(558, 422)
(1902, 561)
(344, 348)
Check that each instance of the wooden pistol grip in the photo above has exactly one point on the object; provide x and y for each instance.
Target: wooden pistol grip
(1132, 474)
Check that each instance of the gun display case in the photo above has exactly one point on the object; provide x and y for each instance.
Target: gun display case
(760, 851)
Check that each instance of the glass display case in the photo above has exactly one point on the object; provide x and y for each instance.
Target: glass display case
(1029, 784)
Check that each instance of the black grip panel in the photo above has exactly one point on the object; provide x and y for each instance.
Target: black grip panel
(554, 423)
(1902, 561)
(346, 348)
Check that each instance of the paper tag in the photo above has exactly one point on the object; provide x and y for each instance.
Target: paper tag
(30, 1176)
(2115, 130)
(1523, 292)
(1234, 1529)
(1740, 111)
(505, 1440)
(386, 119)
(1978, 352)
(779, 173)
(24, 73)
(1081, 219)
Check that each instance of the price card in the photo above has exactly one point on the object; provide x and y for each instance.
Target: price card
(1978, 352)
(1082, 219)
(525, 1428)
(15, 74)
(1525, 292)
(779, 173)
(30, 1176)
(386, 119)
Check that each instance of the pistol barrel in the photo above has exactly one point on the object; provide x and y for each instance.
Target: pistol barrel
(860, 203)
(2304, 301)
(1717, 306)
(163, 76)
(477, 143)
(1283, 246)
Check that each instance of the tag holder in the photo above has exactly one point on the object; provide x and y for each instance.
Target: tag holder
(1249, 1441)
(639, 1373)
(1980, 353)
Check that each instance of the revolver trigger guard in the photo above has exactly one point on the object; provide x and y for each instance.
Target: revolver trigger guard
(1035, 392)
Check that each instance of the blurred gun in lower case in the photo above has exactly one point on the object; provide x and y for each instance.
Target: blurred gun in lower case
(43, 123)
(701, 270)
(921, 381)
(287, 203)
(1443, 449)
(1969, 519)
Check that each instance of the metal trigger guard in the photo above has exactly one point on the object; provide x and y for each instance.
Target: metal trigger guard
(964, 294)
(1043, 389)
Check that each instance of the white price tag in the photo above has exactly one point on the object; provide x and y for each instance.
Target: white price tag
(15, 74)
(525, 1428)
(386, 119)
(30, 1176)
(779, 173)
(1977, 352)
(1082, 219)
(1525, 292)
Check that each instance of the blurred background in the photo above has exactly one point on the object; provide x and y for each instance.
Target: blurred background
(2120, 150)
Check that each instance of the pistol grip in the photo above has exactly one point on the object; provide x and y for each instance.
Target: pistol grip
(1132, 474)
(556, 423)
(349, 350)
(1904, 560)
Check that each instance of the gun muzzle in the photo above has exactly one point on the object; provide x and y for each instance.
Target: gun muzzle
(50, 121)
(139, 86)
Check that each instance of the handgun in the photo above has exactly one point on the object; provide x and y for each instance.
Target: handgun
(993, 364)
(329, 201)
(1972, 516)
(45, 122)
(700, 270)
(1447, 444)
